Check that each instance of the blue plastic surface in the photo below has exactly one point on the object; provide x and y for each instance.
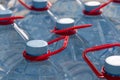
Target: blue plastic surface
(67, 8)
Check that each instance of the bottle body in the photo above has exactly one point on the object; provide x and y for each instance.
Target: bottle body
(37, 24)
(101, 32)
(71, 60)
(12, 46)
(25, 70)
(70, 8)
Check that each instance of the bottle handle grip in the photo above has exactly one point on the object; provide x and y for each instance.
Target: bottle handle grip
(72, 28)
(97, 48)
(66, 40)
(49, 54)
(11, 18)
(101, 6)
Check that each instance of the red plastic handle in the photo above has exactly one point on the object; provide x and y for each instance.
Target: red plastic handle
(47, 55)
(72, 28)
(101, 6)
(55, 40)
(116, 1)
(33, 8)
(66, 39)
(11, 18)
(97, 48)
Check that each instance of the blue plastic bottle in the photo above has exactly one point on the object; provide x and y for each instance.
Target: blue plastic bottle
(110, 68)
(102, 31)
(38, 21)
(29, 69)
(112, 11)
(71, 58)
(11, 44)
(67, 8)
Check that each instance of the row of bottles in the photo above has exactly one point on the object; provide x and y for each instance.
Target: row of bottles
(55, 36)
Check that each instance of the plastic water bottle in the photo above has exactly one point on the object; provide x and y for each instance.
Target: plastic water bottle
(67, 8)
(110, 68)
(36, 65)
(11, 42)
(17, 8)
(70, 59)
(112, 11)
(38, 22)
(102, 31)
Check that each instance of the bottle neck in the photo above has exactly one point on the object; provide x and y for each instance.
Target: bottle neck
(98, 13)
(114, 75)
(6, 28)
(38, 12)
(91, 16)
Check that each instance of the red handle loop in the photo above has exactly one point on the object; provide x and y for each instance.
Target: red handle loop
(70, 29)
(101, 6)
(9, 20)
(116, 1)
(97, 48)
(35, 9)
(47, 55)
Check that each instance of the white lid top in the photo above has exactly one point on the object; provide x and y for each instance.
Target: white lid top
(39, 3)
(64, 23)
(90, 5)
(5, 13)
(112, 65)
(36, 47)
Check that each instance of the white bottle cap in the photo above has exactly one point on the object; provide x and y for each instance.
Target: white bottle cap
(64, 23)
(90, 5)
(112, 65)
(36, 47)
(5, 13)
(39, 3)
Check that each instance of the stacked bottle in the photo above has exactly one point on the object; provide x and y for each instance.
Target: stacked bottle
(11, 42)
(38, 62)
(102, 31)
(111, 68)
(37, 65)
(71, 58)
(38, 20)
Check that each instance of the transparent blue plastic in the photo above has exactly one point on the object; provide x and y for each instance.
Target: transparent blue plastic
(11, 48)
(102, 31)
(67, 8)
(26, 70)
(71, 58)
(112, 12)
(37, 24)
